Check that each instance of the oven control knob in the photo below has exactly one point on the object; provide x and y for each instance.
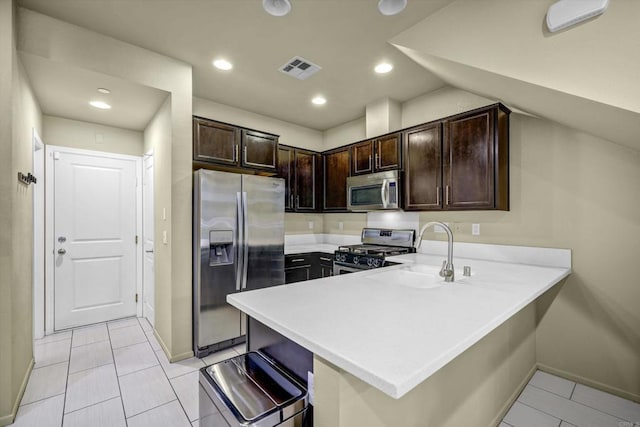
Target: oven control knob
(356, 259)
(343, 258)
(370, 262)
(376, 262)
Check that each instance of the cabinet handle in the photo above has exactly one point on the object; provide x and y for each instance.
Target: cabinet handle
(235, 153)
(370, 162)
(438, 196)
(297, 202)
(244, 153)
(377, 161)
(325, 259)
(447, 196)
(298, 260)
(291, 201)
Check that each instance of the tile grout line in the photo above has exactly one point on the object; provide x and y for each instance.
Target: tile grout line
(573, 401)
(167, 377)
(573, 390)
(555, 394)
(66, 383)
(115, 368)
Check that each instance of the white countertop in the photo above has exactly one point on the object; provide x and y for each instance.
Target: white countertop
(391, 335)
(310, 247)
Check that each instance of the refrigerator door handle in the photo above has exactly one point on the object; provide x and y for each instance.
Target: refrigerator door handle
(239, 242)
(245, 260)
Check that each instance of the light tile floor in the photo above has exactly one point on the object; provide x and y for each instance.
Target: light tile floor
(115, 374)
(111, 374)
(552, 401)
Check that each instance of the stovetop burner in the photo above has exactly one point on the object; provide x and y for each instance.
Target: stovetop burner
(376, 245)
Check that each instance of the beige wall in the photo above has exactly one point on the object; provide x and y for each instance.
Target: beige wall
(344, 134)
(91, 136)
(473, 389)
(20, 114)
(290, 134)
(157, 139)
(568, 190)
(352, 223)
(71, 45)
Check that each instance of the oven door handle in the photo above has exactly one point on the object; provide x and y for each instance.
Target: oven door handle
(384, 193)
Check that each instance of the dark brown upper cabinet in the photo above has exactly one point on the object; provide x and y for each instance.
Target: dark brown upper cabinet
(215, 142)
(301, 171)
(460, 163)
(423, 167)
(306, 183)
(336, 168)
(377, 155)
(285, 171)
(232, 146)
(476, 160)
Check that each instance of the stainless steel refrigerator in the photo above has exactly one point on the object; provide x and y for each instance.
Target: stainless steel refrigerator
(238, 245)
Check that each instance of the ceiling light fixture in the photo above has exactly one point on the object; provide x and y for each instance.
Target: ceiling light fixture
(383, 68)
(104, 90)
(101, 105)
(391, 7)
(222, 64)
(319, 100)
(277, 7)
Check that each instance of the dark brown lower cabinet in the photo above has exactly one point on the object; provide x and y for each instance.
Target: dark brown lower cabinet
(308, 266)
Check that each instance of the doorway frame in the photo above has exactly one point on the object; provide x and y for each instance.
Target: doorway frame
(38, 195)
(50, 221)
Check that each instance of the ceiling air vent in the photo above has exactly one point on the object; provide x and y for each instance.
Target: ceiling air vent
(300, 68)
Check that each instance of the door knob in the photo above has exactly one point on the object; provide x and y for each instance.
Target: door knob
(62, 239)
(61, 251)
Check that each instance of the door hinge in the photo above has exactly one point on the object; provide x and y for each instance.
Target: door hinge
(136, 297)
(136, 240)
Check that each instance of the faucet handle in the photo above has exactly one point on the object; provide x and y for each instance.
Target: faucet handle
(443, 270)
(447, 271)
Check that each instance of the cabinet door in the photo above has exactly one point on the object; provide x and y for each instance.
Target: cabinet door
(336, 171)
(285, 171)
(305, 183)
(423, 168)
(469, 161)
(362, 158)
(388, 153)
(259, 150)
(215, 142)
(297, 274)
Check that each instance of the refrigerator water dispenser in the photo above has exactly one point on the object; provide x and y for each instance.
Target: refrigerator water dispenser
(220, 247)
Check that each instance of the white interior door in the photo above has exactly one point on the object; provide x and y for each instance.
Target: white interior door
(148, 293)
(94, 238)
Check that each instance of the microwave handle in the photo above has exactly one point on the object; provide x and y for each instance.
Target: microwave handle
(384, 193)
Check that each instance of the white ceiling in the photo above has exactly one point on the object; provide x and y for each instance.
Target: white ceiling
(345, 37)
(65, 91)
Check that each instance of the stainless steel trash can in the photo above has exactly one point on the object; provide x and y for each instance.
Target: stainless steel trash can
(249, 390)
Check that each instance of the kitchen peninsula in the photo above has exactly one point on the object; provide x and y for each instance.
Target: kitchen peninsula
(387, 348)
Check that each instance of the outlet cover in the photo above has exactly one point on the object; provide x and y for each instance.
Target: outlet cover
(475, 229)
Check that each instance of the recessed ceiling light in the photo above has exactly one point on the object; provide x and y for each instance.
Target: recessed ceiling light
(222, 64)
(104, 90)
(383, 68)
(277, 7)
(101, 105)
(391, 7)
(319, 100)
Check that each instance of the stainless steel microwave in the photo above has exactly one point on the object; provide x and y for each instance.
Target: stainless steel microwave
(375, 191)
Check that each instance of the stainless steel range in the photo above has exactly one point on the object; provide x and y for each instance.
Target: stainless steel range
(377, 244)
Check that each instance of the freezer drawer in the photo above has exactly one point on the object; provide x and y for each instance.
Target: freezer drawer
(249, 390)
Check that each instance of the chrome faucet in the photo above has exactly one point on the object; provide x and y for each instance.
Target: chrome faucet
(447, 266)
